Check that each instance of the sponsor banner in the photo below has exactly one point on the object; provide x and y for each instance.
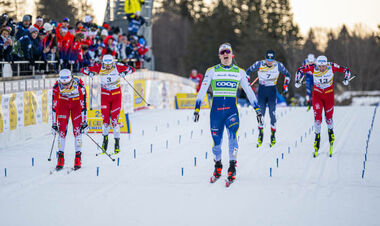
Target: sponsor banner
(38, 107)
(138, 102)
(12, 112)
(20, 109)
(5, 110)
(95, 122)
(44, 105)
(187, 101)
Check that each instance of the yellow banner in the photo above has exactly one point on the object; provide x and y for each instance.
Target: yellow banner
(45, 110)
(138, 102)
(12, 112)
(187, 101)
(95, 122)
(30, 107)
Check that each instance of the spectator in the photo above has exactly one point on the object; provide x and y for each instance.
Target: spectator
(64, 42)
(5, 21)
(135, 23)
(22, 27)
(87, 21)
(197, 78)
(110, 47)
(132, 6)
(39, 23)
(36, 49)
(76, 48)
(84, 58)
(6, 44)
(124, 48)
(104, 34)
(49, 43)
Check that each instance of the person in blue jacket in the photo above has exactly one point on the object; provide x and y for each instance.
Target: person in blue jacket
(268, 71)
(309, 81)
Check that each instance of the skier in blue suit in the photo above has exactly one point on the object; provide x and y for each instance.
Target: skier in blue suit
(309, 81)
(268, 71)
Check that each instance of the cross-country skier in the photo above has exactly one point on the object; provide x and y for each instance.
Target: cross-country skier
(225, 79)
(309, 80)
(323, 94)
(268, 71)
(110, 97)
(69, 100)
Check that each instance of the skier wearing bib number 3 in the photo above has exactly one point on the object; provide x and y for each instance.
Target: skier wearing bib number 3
(225, 79)
(268, 71)
(323, 94)
(110, 74)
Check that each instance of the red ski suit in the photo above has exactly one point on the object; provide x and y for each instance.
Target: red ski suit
(323, 90)
(69, 102)
(110, 93)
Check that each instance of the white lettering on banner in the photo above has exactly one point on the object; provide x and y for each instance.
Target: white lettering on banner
(5, 110)
(226, 84)
(20, 109)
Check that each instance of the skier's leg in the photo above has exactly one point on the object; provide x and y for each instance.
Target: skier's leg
(217, 127)
(105, 110)
(329, 111)
(115, 112)
(317, 107)
(232, 125)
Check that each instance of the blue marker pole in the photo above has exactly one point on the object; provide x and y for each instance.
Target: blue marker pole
(5, 172)
(206, 155)
(97, 171)
(195, 161)
(151, 148)
(282, 155)
(33, 161)
(363, 174)
(363, 164)
(277, 162)
(134, 153)
(142, 132)
(182, 171)
(301, 139)
(252, 131)
(288, 149)
(167, 144)
(270, 172)
(191, 134)
(118, 161)
(179, 139)
(201, 131)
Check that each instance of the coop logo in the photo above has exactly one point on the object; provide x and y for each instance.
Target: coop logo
(226, 84)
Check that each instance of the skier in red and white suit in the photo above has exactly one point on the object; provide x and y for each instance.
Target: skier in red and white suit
(69, 100)
(110, 74)
(323, 92)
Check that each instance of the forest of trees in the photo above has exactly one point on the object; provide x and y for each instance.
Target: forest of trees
(187, 33)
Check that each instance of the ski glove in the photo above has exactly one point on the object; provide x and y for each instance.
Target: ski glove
(84, 127)
(346, 81)
(259, 116)
(196, 115)
(298, 84)
(54, 129)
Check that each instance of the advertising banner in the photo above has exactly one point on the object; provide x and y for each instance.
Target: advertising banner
(95, 122)
(187, 101)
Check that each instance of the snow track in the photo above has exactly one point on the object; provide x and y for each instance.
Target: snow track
(149, 189)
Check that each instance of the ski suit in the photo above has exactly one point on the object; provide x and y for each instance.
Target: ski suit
(197, 79)
(68, 103)
(309, 82)
(268, 76)
(323, 91)
(225, 81)
(110, 97)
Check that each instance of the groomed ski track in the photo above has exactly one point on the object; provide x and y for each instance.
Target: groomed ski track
(150, 189)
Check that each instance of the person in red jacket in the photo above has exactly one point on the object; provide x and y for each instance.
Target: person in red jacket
(64, 42)
(69, 100)
(323, 94)
(110, 97)
(109, 46)
(39, 23)
(197, 78)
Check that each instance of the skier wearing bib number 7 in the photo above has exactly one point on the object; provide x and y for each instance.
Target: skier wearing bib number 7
(110, 74)
(323, 94)
(268, 71)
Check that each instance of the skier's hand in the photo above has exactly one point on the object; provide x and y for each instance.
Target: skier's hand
(84, 128)
(123, 74)
(196, 115)
(91, 74)
(298, 84)
(259, 116)
(285, 89)
(346, 81)
(54, 129)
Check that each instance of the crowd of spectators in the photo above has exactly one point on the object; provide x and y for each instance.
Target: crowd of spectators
(70, 45)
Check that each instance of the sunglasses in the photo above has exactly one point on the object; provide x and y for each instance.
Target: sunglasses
(225, 51)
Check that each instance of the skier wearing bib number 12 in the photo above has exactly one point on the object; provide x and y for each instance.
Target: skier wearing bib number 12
(110, 74)
(268, 71)
(323, 94)
(225, 79)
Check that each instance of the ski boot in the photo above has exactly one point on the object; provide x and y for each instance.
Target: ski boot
(261, 136)
(273, 138)
(316, 144)
(217, 172)
(117, 146)
(231, 173)
(61, 161)
(331, 140)
(105, 143)
(78, 160)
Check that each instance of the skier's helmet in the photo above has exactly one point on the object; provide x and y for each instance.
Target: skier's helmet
(65, 77)
(310, 58)
(107, 61)
(270, 55)
(322, 60)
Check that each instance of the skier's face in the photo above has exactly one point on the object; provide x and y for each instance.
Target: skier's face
(108, 66)
(322, 67)
(225, 56)
(269, 63)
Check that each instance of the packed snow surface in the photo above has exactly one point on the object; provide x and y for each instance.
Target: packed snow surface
(149, 189)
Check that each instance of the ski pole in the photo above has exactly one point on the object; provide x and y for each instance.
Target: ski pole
(136, 91)
(104, 151)
(254, 81)
(52, 146)
(352, 78)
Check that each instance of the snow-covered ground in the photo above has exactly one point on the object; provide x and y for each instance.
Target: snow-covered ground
(150, 190)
